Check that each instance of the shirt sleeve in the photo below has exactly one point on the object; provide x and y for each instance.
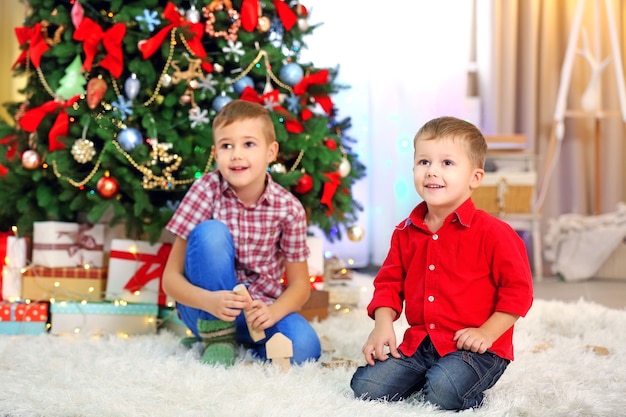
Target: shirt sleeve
(293, 240)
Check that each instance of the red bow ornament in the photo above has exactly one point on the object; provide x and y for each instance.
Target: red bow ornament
(250, 14)
(330, 187)
(320, 77)
(196, 30)
(33, 117)
(291, 124)
(91, 34)
(37, 45)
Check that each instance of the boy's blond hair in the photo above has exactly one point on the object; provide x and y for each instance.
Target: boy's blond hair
(456, 129)
(237, 110)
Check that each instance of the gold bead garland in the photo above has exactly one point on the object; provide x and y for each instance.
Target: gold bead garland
(77, 184)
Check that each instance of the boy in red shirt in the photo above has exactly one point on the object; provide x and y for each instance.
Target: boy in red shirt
(237, 226)
(462, 275)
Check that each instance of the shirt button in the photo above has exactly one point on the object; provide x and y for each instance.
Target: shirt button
(431, 267)
(435, 236)
(431, 325)
(431, 298)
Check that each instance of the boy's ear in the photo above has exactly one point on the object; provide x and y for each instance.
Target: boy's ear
(272, 151)
(477, 178)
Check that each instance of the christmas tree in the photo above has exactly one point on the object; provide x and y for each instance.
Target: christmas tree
(120, 96)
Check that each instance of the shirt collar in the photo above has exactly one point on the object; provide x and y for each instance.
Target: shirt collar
(464, 214)
(268, 196)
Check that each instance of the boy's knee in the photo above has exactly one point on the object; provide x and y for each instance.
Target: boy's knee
(442, 391)
(211, 233)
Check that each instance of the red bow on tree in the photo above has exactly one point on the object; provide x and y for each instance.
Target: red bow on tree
(330, 188)
(33, 117)
(150, 46)
(250, 14)
(37, 45)
(291, 124)
(320, 77)
(91, 34)
(10, 142)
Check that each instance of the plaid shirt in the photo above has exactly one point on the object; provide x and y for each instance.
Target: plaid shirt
(265, 235)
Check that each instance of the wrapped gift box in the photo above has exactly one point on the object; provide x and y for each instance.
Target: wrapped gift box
(135, 272)
(64, 284)
(99, 318)
(316, 307)
(12, 260)
(23, 318)
(64, 244)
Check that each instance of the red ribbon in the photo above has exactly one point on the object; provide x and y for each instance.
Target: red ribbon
(33, 117)
(325, 102)
(249, 15)
(320, 77)
(292, 125)
(4, 242)
(91, 34)
(10, 141)
(287, 16)
(151, 269)
(330, 188)
(170, 13)
(37, 44)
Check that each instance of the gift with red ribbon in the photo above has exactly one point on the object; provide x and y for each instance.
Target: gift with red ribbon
(12, 260)
(136, 271)
(195, 32)
(67, 244)
(33, 117)
(92, 35)
(33, 45)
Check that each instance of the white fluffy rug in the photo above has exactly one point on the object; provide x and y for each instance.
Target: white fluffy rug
(571, 361)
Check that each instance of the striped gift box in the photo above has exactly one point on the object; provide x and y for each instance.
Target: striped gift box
(64, 284)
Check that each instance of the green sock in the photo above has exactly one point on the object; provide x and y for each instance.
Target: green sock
(219, 339)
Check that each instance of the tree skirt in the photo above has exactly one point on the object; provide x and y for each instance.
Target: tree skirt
(570, 361)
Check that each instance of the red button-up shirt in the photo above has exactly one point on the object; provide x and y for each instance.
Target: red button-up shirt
(265, 235)
(474, 265)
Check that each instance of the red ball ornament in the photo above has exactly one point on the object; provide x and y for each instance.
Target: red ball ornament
(300, 10)
(107, 186)
(330, 144)
(304, 185)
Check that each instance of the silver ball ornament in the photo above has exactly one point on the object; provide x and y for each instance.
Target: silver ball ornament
(31, 159)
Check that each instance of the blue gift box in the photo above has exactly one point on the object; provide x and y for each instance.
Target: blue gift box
(97, 318)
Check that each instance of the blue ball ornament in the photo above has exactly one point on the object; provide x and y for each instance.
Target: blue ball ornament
(220, 101)
(129, 138)
(291, 74)
(242, 83)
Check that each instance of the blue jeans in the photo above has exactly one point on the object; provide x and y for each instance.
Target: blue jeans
(456, 381)
(210, 264)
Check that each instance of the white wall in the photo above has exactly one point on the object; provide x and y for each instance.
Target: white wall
(406, 63)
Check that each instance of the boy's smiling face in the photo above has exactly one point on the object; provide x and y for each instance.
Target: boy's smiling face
(243, 154)
(443, 173)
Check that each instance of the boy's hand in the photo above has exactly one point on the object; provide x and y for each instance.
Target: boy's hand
(260, 315)
(380, 338)
(473, 339)
(226, 305)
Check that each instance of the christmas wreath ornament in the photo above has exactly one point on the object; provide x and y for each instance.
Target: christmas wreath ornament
(209, 13)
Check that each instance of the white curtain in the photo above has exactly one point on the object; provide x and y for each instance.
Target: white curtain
(521, 46)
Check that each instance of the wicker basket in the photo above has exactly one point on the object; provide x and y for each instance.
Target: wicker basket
(506, 192)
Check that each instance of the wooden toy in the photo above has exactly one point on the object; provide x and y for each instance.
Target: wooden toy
(256, 334)
(280, 350)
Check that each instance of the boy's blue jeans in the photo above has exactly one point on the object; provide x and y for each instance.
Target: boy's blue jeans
(210, 264)
(456, 381)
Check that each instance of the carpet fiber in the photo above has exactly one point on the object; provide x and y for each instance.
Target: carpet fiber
(570, 361)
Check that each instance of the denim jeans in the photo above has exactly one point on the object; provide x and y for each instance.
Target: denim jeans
(210, 264)
(456, 381)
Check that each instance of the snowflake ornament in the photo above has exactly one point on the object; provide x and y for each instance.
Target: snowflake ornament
(149, 19)
(198, 117)
(123, 106)
(292, 103)
(233, 50)
(207, 83)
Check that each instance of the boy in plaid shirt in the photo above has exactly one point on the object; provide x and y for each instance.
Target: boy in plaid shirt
(237, 226)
